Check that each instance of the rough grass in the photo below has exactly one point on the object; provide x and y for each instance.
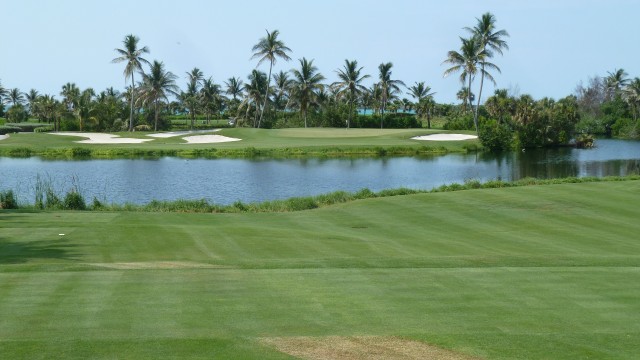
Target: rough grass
(532, 272)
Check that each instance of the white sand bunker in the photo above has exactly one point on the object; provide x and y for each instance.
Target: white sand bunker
(208, 139)
(445, 137)
(102, 138)
(2, 137)
(169, 134)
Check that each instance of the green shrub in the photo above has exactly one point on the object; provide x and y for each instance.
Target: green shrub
(27, 127)
(43, 129)
(8, 200)
(463, 122)
(494, 136)
(74, 201)
(8, 129)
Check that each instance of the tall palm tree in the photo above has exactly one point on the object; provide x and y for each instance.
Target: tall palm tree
(269, 48)
(350, 84)
(305, 85)
(388, 87)
(466, 62)
(491, 41)
(157, 85)
(134, 60)
(32, 98)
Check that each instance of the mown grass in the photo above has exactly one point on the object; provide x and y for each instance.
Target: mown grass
(255, 142)
(533, 272)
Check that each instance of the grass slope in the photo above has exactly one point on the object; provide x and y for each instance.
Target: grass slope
(531, 272)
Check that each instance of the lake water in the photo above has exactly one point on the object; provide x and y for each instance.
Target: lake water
(224, 181)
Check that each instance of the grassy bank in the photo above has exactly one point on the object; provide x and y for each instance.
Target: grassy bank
(255, 142)
(505, 273)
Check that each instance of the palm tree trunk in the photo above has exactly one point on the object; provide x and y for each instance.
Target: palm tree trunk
(266, 94)
(350, 113)
(475, 123)
(475, 116)
(131, 114)
(155, 127)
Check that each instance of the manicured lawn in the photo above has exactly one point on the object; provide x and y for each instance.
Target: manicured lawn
(306, 140)
(540, 272)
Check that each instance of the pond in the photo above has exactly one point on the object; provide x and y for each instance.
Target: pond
(224, 181)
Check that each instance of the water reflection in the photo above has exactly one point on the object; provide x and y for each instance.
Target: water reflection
(227, 180)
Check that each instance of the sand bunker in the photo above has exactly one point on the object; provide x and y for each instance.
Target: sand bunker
(360, 348)
(102, 138)
(445, 137)
(2, 137)
(179, 133)
(208, 139)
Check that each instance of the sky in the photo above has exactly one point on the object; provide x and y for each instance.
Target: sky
(553, 44)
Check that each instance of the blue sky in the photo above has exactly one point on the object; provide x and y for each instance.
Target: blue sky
(554, 44)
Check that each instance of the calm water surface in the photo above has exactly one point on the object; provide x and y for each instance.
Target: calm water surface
(224, 181)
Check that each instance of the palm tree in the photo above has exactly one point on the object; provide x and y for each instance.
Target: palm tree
(350, 84)
(282, 87)
(269, 48)
(133, 57)
(209, 97)
(632, 96)
(466, 61)
(419, 91)
(190, 97)
(69, 93)
(491, 40)
(83, 107)
(253, 92)
(16, 97)
(387, 86)
(234, 87)
(615, 82)
(156, 86)
(465, 96)
(32, 98)
(3, 93)
(305, 85)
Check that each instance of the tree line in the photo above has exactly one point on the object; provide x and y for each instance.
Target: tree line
(302, 97)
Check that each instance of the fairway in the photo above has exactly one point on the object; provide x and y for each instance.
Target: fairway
(535, 272)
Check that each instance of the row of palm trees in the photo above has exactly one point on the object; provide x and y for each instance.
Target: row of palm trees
(301, 89)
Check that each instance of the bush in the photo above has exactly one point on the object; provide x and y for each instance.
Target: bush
(494, 136)
(17, 113)
(463, 122)
(43, 129)
(8, 200)
(74, 201)
(5, 129)
(27, 127)
(391, 121)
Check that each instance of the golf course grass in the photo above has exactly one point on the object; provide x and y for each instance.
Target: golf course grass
(536, 272)
(254, 142)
